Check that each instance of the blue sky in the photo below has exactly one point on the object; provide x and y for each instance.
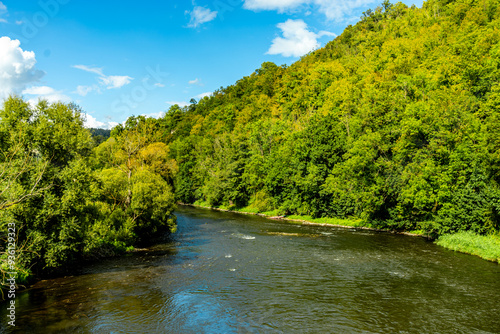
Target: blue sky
(121, 58)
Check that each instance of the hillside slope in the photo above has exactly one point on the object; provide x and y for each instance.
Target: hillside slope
(395, 122)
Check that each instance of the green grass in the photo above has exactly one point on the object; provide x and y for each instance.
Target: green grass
(486, 247)
(254, 210)
(418, 232)
(202, 204)
(248, 209)
(271, 213)
(331, 221)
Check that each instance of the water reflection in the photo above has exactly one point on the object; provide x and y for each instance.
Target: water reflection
(228, 273)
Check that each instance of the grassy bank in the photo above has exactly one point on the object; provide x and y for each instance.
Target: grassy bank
(250, 210)
(486, 247)
(302, 219)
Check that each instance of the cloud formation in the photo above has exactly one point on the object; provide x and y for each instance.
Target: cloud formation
(92, 122)
(84, 90)
(45, 93)
(201, 15)
(115, 81)
(196, 82)
(17, 67)
(280, 5)
(297, 40)
(179, 103)
(3, 10)
(96, 70)
(109, 81)
(156, 115)
(333, 10)
(202, 95)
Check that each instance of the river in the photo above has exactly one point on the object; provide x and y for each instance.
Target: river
(231, 273)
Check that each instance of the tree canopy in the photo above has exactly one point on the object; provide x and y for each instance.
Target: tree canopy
(69, 200)
(394, 122)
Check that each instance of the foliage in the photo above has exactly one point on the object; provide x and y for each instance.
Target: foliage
(69, 203)
(395, 122)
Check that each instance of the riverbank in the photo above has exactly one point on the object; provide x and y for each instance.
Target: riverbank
(307, 220)
(485, 247)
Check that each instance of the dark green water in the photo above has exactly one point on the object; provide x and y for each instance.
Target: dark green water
(229, 273)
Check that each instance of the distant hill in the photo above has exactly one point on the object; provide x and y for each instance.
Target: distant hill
(100, 135)
(100, 132)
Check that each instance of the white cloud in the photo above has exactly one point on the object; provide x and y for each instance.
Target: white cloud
(297, 40)
(146, 83)
(179, 103)
(202, 95)
(155, 115)
(17, 67)
(111, 125)
(92, 122)
(333, 10)
(3, 10)
(96, 70)
(115, 81)
(109, 81)
(280, 5)
(19, 22)
(196, 82)
(342, 10)
(84, 90)
(39, 90)
(45, 93)
(201, 15)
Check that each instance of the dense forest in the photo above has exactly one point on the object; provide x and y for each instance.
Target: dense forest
(395, 123)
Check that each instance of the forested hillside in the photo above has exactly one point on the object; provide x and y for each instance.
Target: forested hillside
(395, 122)
(100, 135)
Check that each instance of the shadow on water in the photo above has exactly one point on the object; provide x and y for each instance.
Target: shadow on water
(230, 273)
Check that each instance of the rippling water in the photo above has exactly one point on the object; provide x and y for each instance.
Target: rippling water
(230, 273)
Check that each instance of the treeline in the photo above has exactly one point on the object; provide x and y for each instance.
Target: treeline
(100, 135)
(395, 122)
(65, 199)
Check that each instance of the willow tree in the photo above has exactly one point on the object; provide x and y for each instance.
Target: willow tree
(137, 176)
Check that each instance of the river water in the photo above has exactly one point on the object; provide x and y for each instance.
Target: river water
(231, 273)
